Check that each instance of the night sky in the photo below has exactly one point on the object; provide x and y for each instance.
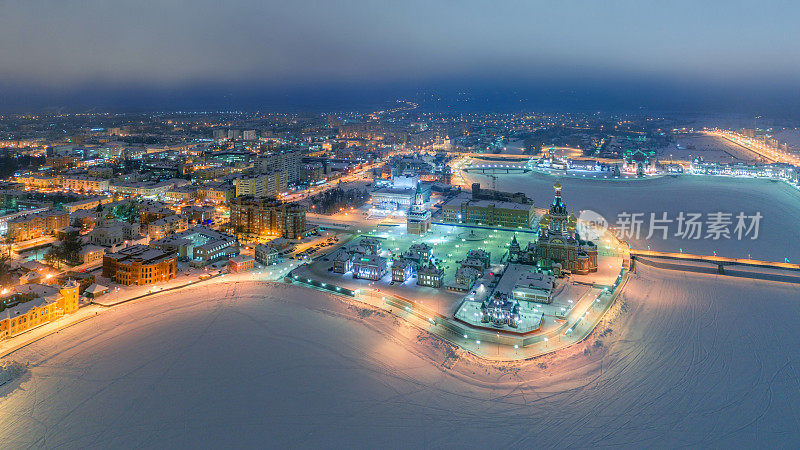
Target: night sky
(200, 53)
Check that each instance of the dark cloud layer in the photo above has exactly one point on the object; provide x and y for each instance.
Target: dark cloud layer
(119, 53)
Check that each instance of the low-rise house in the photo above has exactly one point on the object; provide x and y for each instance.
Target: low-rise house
(91, 253)
(166, 226)
(419, 254)
(481, 255)
(430, 275)
(373, 244)
(533, 287)
(369, 267)
(342, 261)
(241, 263)
(266, 254)
(465, 278)
(402, 270)
(199, 245)
(475, 263)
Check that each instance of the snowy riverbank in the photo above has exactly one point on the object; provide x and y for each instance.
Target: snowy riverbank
(703, 359)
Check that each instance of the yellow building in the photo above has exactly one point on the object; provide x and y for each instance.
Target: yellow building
(270, 184)
(80, 183)
(38, 181)
(465, 208)
(256, 218)
(34, 225)
(41, 310)
(217, 192)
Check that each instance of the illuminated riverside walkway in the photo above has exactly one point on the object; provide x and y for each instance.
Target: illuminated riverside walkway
(720, 261)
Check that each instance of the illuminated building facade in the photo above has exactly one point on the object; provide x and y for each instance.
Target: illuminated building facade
(430, 275)
(311, 173)
(199, 245)
(167, 226)
(140, 265)
(558, 243)
(266, 254)
(40, 310)
(270, 184)
(500, 311)
(285, 162)
(80, 183)
(463, 208)
(418, 219)
(216, 192)
(31, 226)
(258, 218)
(402, 270)
(369, 267)
(38, 181)
(342, 262)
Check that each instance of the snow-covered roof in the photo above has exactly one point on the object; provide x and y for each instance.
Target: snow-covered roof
(96, 288)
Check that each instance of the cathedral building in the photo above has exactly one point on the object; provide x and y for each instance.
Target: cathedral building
(500, 311)
(558, 242)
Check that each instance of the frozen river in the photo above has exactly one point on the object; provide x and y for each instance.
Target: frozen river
(778, 203)
(683, 360)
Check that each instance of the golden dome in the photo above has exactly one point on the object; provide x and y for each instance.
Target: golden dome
(557, 185)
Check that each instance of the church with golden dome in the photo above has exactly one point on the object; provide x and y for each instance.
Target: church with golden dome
(558, 243)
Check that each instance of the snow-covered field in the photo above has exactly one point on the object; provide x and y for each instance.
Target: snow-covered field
(682, 360)
(778, 203)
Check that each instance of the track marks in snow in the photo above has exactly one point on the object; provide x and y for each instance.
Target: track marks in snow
(689, 361)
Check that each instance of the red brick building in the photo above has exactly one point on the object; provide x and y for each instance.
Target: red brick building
(140, 265)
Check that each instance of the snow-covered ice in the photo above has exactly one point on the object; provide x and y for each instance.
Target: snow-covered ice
(778, 203)
(683, 359)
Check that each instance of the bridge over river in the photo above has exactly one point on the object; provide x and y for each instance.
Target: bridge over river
(720, 261)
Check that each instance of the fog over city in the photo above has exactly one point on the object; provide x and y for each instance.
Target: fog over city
(715, 56)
